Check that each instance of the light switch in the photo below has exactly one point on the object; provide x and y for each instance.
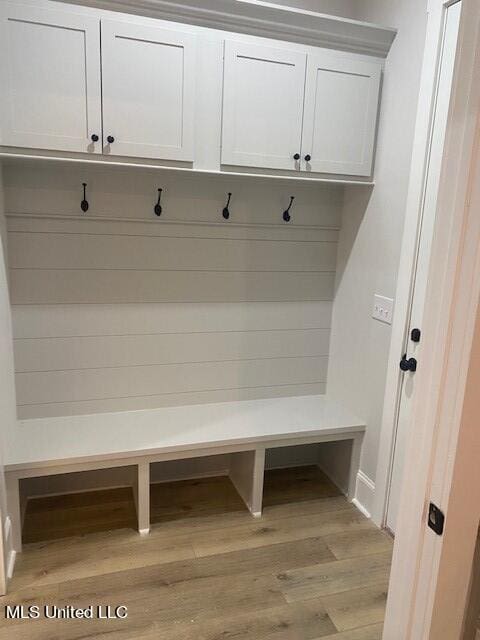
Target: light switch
(382, 309)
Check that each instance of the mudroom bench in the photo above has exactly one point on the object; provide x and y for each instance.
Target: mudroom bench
(243, 429)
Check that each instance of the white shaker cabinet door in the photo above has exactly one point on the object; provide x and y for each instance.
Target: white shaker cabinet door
(262, 106)
(148, 77)
(50, 79)
(341, 104)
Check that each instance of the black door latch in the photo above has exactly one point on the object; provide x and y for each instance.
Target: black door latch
(408, 364)
(436, 519)
(415, 335)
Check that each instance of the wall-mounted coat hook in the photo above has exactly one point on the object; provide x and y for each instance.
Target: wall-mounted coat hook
(158, 207)
(226, 212)
(286, 213)
(84, 202)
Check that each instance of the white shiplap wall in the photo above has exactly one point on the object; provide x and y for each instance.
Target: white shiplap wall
(117, 310)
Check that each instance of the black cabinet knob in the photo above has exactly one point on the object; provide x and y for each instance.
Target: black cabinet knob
(408, 364)
(308, 157)
(296, 156)
(110, 139)
(94, 137)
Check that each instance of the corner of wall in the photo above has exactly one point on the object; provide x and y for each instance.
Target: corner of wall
(8, 409)
(334, 460)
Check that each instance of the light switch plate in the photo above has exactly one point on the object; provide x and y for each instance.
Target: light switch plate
(382, 309)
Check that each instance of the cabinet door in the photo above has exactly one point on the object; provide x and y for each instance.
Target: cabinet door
(262, 106)
(148, 77)
(341, 104)
(50, 78)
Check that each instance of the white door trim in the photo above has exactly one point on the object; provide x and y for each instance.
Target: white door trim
(410, 243)
(451, 306)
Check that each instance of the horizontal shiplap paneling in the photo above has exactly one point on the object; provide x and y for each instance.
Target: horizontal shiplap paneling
(123, 382)
(120, 310)
(94, 352)
(51, 321)
(155, 227)
(66, 286)
(140, 253)
(55, 409)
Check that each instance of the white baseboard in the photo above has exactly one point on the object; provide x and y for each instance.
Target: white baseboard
(10, 552)
(11, 563)
(7, 530)
(361, 508)
(364, 494)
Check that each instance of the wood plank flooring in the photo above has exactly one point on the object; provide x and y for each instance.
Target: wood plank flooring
(312, 567)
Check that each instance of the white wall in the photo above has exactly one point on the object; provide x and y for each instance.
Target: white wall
(118, 309)
(371, 234)
(344, 8)
(7, 388)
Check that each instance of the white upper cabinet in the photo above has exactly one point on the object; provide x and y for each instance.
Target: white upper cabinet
(262, 106)
(148, 77)
(341, 104)
(77, 79)
(275, 117)
(50, 79)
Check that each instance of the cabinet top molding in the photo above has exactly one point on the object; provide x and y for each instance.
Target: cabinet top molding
(262, 19)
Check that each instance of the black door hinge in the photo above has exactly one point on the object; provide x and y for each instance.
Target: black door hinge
(436, 519)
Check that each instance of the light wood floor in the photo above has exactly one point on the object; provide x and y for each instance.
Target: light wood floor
(312, 567)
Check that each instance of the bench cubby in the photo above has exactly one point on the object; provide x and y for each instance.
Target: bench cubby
(77, 513)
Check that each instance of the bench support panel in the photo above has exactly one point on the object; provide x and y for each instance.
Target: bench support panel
(246, 473)
(14, 510)
(141, 494)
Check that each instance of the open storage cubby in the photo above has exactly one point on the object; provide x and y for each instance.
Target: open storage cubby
(293, 474)
(193, 488)
(100, 500)
(202, 485)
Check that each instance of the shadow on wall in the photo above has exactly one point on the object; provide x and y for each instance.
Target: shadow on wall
(356, 201)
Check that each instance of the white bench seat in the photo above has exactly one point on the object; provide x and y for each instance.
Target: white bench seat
(47, 446)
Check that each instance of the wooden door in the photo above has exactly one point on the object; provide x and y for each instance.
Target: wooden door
(50, 78)
(341, 104)
(262, 106)
(429, 581)
(413, 348)
(148, 77)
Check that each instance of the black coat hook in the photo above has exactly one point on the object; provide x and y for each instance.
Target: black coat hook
(286, 213)
(226, 212)
(84, 202)
(158, 207)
